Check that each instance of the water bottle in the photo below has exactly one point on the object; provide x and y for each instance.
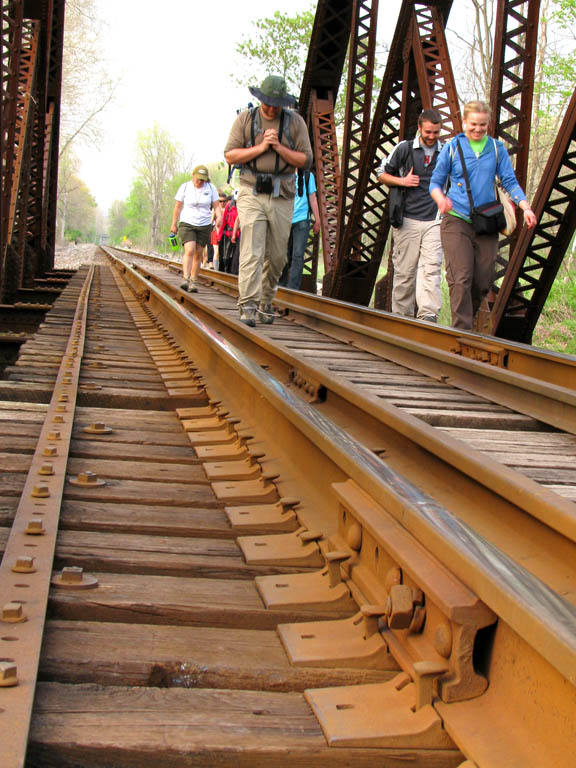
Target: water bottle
(173, 241)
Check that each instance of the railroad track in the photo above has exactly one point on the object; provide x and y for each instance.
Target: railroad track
(374, 512)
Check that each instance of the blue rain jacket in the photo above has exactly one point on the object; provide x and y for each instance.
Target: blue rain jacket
(481, 172)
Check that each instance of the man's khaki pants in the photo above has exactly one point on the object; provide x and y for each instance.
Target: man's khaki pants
(417, 259)
(265, 223)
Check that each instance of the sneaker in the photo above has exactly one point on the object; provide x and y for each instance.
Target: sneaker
(192, 287)
(248, 314)
(184, 285)
(266, 314)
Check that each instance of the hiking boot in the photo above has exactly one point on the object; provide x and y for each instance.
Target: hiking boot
(248, 314)
(266, 314)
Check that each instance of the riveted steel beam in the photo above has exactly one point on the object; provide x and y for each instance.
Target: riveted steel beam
(511, 97)
(358, 101)
(539, 252)
(400, 100)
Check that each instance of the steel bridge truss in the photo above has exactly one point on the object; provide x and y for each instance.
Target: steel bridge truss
(353, 205)
(32, 40)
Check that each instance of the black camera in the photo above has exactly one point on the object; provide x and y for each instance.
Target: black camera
(263, 184)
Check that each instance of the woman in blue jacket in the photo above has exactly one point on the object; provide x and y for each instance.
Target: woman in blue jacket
(471, 258)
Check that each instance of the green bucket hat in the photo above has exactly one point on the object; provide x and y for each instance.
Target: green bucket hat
(273, 92)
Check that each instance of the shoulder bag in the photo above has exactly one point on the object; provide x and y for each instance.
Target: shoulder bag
(488, 218)
(396, 197)
(507, 204)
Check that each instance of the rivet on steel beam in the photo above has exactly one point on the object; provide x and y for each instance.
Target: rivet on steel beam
(40, 491)
(97, 428)
(87, 479)
(372, 615)
(334, 559)
(8, 674)
(24, 564)
(47, 468)
(35, 527)
(425, 672)
(50, 450)
(13, 613)
(54, 435)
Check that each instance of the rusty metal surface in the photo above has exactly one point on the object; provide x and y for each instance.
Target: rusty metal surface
(32, 41)
(39, 511)
(498, 579)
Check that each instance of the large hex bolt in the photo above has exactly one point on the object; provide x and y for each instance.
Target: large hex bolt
(24, 564)
(399, 606)
(13, 613)
(8, 674)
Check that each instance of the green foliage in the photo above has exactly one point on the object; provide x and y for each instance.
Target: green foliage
(137, 213)
(556, 328)
(279, 47)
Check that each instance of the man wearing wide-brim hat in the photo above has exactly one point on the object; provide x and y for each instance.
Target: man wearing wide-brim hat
(268, 143)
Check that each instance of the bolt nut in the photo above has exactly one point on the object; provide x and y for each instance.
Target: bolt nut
(50, 450)
(58, 419)
(8, 674)
(97, 428)
(35, 527)
(13, 613)
(64, 398)
(47, 468)
(54, 435)
(24, 564)
(73, 577)
(87, 479)
(40, 491)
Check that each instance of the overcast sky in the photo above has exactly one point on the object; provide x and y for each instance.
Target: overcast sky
(174, 59)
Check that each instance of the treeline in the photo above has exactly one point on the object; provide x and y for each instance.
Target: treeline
(144, 218)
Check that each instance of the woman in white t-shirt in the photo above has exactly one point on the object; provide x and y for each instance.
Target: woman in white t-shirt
(192, 218)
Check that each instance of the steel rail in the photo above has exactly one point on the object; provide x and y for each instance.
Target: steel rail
(26, 569)
(537, 501)
(534, 370)
(525, 605)
(164, 304)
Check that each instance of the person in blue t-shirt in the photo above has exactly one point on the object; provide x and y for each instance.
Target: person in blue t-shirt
(303, 205)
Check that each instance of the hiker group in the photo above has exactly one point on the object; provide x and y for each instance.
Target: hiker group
(442, 206)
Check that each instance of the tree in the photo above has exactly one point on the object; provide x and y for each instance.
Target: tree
(279, 46)
(76, 206)
(158, 159)
(87, 89)
(137, 214)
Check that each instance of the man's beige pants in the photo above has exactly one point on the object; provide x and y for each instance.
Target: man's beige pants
(417, 259)
(265, 223)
